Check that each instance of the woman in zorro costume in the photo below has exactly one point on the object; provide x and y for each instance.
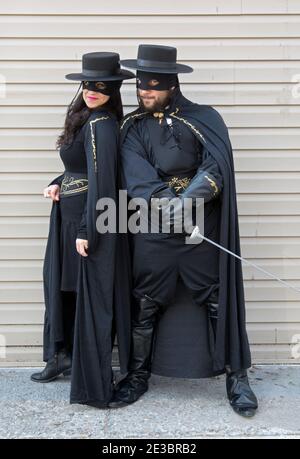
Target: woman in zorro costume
(85, 272)
(171, 147)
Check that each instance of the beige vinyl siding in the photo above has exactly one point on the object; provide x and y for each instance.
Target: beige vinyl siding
(246, 56)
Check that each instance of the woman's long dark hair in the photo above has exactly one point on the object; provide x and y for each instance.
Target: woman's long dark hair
(78, 113)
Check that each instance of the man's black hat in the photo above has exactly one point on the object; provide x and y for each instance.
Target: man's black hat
(101, 66)
(156, 59)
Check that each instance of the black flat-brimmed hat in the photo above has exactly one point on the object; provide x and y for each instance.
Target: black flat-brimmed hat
(158, 59)
(103, 66)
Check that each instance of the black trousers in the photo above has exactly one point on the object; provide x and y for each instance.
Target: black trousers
(159, 259)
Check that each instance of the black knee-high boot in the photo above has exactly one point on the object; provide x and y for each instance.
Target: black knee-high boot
(240, 395)
(135, 384)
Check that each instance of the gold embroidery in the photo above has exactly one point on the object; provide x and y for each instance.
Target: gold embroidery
(213, 184)
(71, 185)
(190, 125)
(77, 190)
(131, 116)
(93, 138)
(179, 183)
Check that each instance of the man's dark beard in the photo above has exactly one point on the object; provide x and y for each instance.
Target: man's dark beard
(157, 107)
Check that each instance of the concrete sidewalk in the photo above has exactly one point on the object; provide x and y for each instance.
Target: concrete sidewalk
(173, 408)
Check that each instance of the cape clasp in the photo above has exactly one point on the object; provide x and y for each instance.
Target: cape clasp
(159, 115)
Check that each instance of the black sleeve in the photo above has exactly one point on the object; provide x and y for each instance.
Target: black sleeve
(207, 182)
(139, 177)
(82, 230)
(57, 180)
(101, 147)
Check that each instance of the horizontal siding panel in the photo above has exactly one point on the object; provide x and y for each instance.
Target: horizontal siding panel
(264, 290)
(22, 335)
(244, 160)
(265, 160)
(155, 7)
(268, 182)
(263, 204)
(273, 333)
(273, 182)
(261, 353)
(270, 247)
(22, 249)
(17, 292)
(188, 49)
(268, 204)
(250, 226)
(269, 226)
(208, 94)
(265, 71)
(24, 206)
(22, 314)
(276, 312)
(269, 333)
(98, 26)
(270, 353)
(32, 161)
(273, 312)
(252, 248)
(271, 290)
(31, 270)
(243, 116)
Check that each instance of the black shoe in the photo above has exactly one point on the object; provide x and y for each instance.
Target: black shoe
(241, 397)
(128, 391)
(60, 364)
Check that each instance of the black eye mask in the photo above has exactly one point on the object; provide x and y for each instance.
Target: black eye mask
(155, 81)
(105, 87)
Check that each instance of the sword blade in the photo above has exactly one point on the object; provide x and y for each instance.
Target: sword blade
(196, 233)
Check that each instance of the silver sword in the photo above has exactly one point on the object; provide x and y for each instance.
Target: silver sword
(197, 234)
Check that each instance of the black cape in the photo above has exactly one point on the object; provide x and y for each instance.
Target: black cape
(103, 290)
(231, 346)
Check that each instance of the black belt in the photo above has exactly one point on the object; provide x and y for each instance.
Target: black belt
(73, 183)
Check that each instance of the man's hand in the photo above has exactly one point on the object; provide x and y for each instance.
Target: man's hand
(82, 247)
(52, 192)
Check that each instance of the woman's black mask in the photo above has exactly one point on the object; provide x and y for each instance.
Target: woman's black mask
(105, 87)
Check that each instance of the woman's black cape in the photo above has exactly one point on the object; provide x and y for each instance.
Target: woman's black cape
(231, 346)
(103, 290)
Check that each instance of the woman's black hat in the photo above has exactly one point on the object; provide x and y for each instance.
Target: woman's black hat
(157, 59)
(101, 66)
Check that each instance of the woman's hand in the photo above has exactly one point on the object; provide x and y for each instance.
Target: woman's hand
(82, 246)
(52, 192)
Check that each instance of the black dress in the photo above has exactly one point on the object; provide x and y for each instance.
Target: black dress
(72, 205)
(100, 282)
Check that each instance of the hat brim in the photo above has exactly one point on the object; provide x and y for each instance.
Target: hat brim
(123, 75)
(180, 68)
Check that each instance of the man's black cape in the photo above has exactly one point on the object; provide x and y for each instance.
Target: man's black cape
(231, 346)
(103, 298)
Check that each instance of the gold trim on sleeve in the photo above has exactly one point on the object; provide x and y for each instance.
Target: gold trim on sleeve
(93, 138)
(213, 184)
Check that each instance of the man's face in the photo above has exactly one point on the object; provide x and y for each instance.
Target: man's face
(155, 89)
(152, 100)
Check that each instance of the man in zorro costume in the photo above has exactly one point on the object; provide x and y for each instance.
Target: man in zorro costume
(172, 147)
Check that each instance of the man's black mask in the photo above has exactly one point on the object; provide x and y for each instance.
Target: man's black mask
(155, 81)
(105, 87)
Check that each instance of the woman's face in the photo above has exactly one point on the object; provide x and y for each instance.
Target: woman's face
(94, 99)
